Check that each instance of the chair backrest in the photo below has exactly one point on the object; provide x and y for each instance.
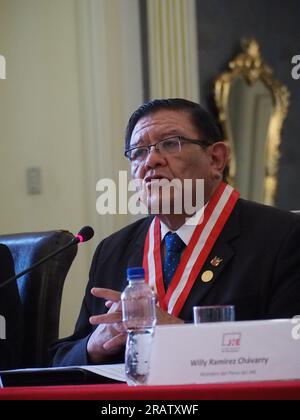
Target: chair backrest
(40, 290)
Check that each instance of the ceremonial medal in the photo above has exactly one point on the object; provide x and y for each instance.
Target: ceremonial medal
(206, 233)
(207, 276)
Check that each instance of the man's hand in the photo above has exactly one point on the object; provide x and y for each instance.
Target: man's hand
(163, 317)
(109, 337)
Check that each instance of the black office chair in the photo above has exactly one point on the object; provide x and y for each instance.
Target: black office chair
(40, 290)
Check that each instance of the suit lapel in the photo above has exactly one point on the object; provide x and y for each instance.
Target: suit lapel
(136, 257)
(137, 249)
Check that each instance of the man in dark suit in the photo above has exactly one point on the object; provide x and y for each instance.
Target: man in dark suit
(241, 253)
(11, 314)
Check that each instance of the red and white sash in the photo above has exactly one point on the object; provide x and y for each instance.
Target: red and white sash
(206, 233)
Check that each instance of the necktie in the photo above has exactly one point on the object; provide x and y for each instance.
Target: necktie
(174, 248)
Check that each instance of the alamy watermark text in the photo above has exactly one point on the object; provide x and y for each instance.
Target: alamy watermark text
(2, 328)
(154, 196)
(296, 329)
(2, 67)
(296, 68)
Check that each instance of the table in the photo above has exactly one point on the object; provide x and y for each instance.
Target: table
(284, 390)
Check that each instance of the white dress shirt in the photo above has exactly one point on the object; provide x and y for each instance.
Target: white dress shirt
(185, 232)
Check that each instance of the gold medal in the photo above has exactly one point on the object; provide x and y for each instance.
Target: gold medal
(207, 276)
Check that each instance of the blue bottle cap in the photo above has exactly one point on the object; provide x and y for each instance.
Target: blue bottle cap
(135, 273)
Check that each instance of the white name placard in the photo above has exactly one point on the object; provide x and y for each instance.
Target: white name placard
(225, 352)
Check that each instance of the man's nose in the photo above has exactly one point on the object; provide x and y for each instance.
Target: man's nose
(154, 158)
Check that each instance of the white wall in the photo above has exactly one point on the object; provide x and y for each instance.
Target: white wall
(73, 78)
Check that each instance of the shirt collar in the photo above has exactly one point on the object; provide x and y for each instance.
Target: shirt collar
(185, 232)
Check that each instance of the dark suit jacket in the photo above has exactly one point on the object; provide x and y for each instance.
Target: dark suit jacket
(259, 272)
(11, 310)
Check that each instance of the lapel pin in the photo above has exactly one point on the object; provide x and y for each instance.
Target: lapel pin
(207, 276)
(216, 261)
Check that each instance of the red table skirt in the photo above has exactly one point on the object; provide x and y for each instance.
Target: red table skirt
(253, 390)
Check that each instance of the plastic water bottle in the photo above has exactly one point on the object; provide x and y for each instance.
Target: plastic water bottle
(139, 318)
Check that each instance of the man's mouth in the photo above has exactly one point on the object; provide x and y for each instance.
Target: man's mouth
(155, 178)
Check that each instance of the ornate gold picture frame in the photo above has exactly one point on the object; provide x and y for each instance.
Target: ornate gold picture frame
(259, 160)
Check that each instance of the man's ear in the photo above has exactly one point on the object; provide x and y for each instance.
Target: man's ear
(219, 157)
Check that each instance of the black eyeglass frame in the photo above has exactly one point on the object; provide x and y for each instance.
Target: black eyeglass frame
(181, 139)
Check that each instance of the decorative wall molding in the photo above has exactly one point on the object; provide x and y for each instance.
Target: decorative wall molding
(172, 46)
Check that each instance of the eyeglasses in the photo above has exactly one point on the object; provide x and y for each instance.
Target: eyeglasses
(165, 147)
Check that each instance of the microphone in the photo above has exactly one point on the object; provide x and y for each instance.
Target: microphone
(85, 234)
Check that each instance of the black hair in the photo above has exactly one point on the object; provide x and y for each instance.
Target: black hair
(201, 119)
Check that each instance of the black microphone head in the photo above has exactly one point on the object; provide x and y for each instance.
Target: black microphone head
(85, 234)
